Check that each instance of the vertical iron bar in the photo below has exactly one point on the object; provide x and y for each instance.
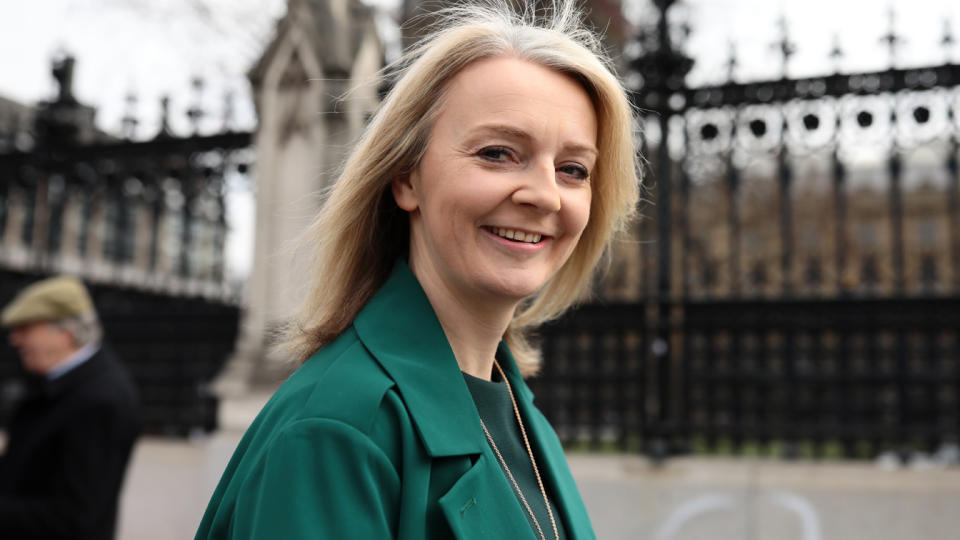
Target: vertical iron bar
(4, 207)
(788, 352)
(597, 382)
(896, 221)
(55, 220)
(86, 214)
(953, 212)
(786, 218)
(739, 383)
(895, 167)
(158, 207)
(28, 220)
(840, 222)
(717, 431)
(664, 215)
(733, 217)
(903, 396)
(665, 230)
(846, 383)
(219, 240)
(111, 222)
(123, 225)
(41, 210)
(545, 386)
(664, 255)
(186, 231)
(684, 219)
(643, 224)
(619, 379)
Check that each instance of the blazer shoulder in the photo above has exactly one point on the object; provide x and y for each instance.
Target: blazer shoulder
(341, 384)
(341, 381)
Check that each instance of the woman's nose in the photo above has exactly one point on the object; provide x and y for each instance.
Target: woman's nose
(539, 189)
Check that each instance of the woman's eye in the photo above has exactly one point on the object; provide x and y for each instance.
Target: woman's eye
(494, 153)
(575, 171)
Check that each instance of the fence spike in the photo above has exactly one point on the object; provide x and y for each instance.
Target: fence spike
(164, 118)
(731, 60)
(892, 40)
(195, 112)
(784, 46)
(836, 53)
(129, 121)
(947, 40)
(228, 110)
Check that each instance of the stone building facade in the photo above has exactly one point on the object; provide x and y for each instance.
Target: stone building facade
(314, 88)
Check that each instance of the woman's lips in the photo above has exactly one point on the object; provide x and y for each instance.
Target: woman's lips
(522, 240)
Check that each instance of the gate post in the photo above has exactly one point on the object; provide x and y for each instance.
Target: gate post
(663, 70)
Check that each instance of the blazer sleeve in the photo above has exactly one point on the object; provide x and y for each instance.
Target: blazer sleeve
(319, 479)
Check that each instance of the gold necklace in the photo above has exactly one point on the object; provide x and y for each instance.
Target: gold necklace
(536, 472)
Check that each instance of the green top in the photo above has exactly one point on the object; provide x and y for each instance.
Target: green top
(376, 437)
(496, 411)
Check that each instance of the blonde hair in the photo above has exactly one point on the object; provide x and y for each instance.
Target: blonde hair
(361, 232)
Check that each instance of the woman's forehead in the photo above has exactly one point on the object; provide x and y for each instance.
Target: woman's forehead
(516, 97)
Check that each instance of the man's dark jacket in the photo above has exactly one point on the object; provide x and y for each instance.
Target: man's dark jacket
(68, 447)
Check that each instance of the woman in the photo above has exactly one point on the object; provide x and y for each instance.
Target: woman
(476, 206)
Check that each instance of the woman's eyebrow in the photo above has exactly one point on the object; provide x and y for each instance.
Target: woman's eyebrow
(513, 132)
(581, 149)
(504, 130)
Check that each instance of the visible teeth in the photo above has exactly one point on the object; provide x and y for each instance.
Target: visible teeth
(517, 236)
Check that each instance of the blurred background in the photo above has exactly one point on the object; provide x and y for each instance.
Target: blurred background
(773, 354)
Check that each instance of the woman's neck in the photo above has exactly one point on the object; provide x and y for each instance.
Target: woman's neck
(473, 326)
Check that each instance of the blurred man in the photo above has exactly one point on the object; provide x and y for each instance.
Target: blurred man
(71, 437)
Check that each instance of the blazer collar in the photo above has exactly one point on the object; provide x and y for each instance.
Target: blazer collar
(400, 329)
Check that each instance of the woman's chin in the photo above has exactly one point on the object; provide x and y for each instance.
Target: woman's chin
(515, 290)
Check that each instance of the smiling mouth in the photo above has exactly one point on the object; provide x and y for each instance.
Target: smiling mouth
(516, 235)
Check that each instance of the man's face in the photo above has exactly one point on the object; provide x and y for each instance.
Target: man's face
(42, 345)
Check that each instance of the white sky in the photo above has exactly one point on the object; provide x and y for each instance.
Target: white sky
(155, 47)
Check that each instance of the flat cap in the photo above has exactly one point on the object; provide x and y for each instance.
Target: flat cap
(51, 299)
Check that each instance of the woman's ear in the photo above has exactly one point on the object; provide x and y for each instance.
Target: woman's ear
(404, 193)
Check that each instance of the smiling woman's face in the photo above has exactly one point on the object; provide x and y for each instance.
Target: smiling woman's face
(502, 194)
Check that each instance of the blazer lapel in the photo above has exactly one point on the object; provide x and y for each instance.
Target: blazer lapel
(551, 460)
(399, 328)
(481, 505)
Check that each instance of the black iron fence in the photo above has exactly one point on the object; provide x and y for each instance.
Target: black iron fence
(144, 222)
(860, 375)
(849, 378)
(798, 283)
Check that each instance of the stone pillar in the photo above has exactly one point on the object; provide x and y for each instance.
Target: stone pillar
(306, 90)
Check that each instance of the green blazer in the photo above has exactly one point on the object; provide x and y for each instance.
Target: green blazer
(376, 436)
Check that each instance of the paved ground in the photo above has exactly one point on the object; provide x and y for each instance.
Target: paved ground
(688, 499)
(701, 499)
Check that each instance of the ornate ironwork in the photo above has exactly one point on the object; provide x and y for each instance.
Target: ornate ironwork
(149, 213)
(786, 262)
(144, 222)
